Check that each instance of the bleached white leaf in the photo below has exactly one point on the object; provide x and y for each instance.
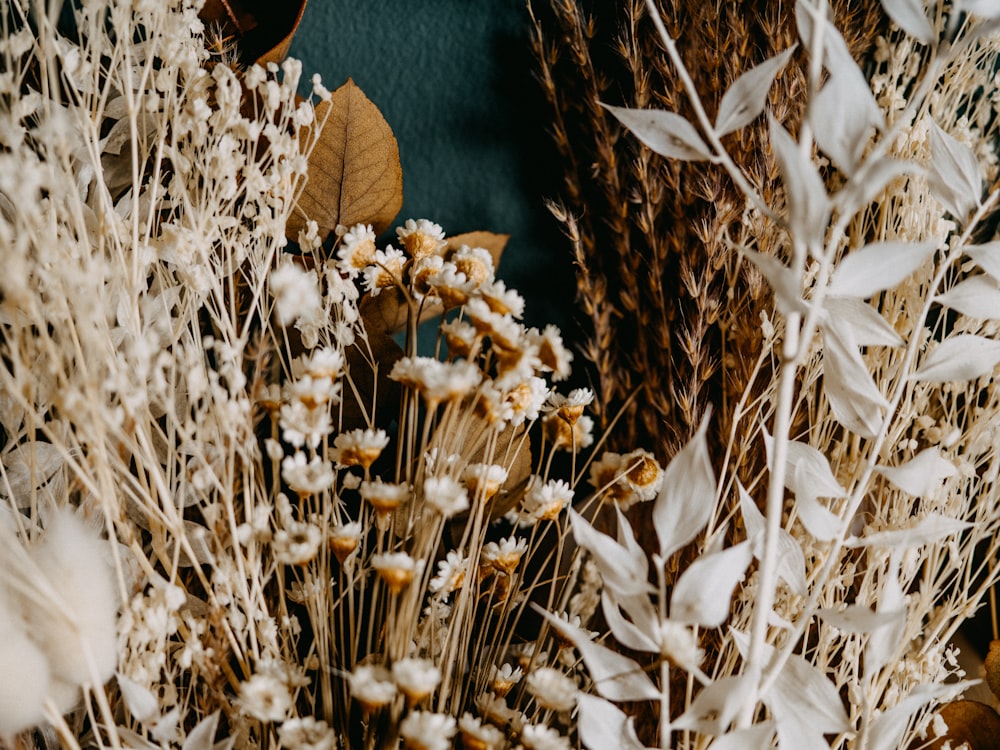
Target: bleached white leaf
(854, 618)
(929, 529)
(791, 561)
(886, 732)
(805, 195)
(616, 677)
(818, 520)
(869, 180)
(878, 266)
(921, 475)
(982, 8)
(715, 707)
(987, 257)
(621, 571)
(843, 115)
(603, 725)
(910, 17)
(629, 634)
(202, 737)
(803, 694)
(953, 173)
(28, 468)
(804, 702)
(135, 741)
(977, 297)
(857, 323)
(787, 287)
(855, 400)
(757, 737)
(666, 133)
(961, 357)
(891, 602)
(702, 593)
(745, 99)
(809, 471)
(794, 733)
(139, 700)
(687, 495)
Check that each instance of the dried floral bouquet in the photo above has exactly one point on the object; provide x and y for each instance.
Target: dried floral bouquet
(236, 513)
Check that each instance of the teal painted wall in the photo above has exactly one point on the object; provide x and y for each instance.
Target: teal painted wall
(453, 78)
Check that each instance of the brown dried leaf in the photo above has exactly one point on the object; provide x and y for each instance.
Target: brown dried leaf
(971, 722)
(993, 668)
(387, 312)
(278, 49)
(265, 29)
(354, 172)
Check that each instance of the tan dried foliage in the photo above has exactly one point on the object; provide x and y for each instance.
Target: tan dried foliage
(355, 176)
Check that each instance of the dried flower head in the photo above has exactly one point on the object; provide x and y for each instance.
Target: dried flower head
(484, 480)
(416, 678)
(344, 540)
(552, 689)
(397, 569)
(360, 447)
(357, 249)
(423, 730)
(421, 238)
(445, 495)
(505, 555)
(372, 687)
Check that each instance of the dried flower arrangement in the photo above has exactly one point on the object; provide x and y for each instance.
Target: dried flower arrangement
(237, 513)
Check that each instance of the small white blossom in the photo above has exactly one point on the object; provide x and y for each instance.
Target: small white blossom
(552, 689)
(423, 730)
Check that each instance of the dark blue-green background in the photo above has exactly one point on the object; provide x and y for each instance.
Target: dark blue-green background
(454, 80)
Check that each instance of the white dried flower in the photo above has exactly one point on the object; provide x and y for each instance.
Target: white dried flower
(423, 730)
(445, 495)
(360, 447)
(372, 686)
(505, 555)
(450, 574)
(552, 689)
(545, 500)
(502, 680)
(437, 381)
(385, 272)
(357, 249)
(296, 294)
(306, 734)
(484, 480)
(265, 697)
(476, 734)
(475, 262)
(421, 238)
(307, 478)
(397, 569)
(297, 544)
(416, 678)
(539, 737)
